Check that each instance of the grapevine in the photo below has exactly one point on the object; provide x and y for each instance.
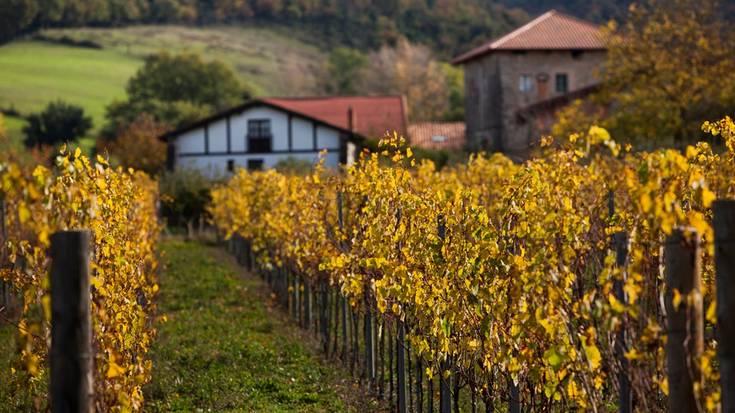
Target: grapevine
(118, 207)
(504, 269)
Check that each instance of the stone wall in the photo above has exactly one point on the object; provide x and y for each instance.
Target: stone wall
(493, 95)
(483, 101)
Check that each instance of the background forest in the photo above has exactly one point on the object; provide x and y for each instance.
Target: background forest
(88, 69)
(448, 26)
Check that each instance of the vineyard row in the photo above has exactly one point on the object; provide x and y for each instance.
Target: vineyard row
(539, 283)
(117, 208)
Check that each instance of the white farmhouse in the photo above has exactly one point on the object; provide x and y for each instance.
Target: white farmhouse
(260, 133)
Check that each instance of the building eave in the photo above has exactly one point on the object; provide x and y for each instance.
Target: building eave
(505, 43)
(350, 135)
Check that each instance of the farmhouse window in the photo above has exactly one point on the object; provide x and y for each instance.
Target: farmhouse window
(255, 164)
(525, 84)
(259, 136)
(562, 83)
(230, 165)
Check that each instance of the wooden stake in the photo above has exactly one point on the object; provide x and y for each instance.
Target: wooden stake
(685, 342)
(71, 328)
(724, 226)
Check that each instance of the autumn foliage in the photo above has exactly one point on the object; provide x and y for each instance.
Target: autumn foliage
(137, 145)
(669, 68)
(118, 206)
(505, 269)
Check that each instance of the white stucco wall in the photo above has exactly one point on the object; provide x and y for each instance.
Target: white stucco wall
(303, 134)
(327, 138)
(218, 136)
(191, 142)
(212, 159)
(215, 166)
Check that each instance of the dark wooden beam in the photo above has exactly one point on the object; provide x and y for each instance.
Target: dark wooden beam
(206, 138)
(313, 133)
(290, 132)
(229, 136)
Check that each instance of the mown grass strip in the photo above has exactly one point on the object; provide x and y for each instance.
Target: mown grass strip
(225, 349)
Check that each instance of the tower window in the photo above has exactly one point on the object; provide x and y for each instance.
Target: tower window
(562, 83)
(525, 84)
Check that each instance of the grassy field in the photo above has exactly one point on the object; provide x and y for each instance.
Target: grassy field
(33, 73)
(275, 61)
(225, 348)
(14, 130)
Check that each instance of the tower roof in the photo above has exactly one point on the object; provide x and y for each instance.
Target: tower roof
(552, 30)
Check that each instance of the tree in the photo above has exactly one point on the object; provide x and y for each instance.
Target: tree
(58, 122)
(455, 84)
(185, 194)
(16, 16)
(137, 145)
(411, 70)
(669, 69)
(185, 77)
(121, 113)
(344, 71)
(175, 89)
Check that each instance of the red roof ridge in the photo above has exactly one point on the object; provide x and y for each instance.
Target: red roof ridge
(505, 42)
(522, 29)
(316, 97)
(373, 115)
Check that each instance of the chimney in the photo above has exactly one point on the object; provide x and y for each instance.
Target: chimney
(351, 120)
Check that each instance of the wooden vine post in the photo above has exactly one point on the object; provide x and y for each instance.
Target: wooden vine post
(445, 393)
(71, 356)
(625, 402)
(724, 226)
(620, 242)
(683, 299)
(401, 367)
(369, 346)
(4, 287)
(342, 298)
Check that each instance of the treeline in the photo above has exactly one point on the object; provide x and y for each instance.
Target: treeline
(447, 25)
(598, 11)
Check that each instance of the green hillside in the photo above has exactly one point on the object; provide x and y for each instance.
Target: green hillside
(273, 60)
(14, 129)
(33, 72)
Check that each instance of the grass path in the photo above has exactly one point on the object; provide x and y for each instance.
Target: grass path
(224, 347)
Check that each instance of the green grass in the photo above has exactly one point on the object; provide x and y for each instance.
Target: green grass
(273, 60)
(15, 393)
(7, 343)
(224, 347)
(14, 131)
(33, 73)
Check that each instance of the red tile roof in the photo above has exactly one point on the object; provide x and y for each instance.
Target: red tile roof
(431, 135)
(373, 115)
(550, 31)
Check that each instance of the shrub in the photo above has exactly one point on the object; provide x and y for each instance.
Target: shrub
(59, 122)
(184, 195)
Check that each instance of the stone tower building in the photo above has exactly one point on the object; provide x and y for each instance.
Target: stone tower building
(515, 83)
